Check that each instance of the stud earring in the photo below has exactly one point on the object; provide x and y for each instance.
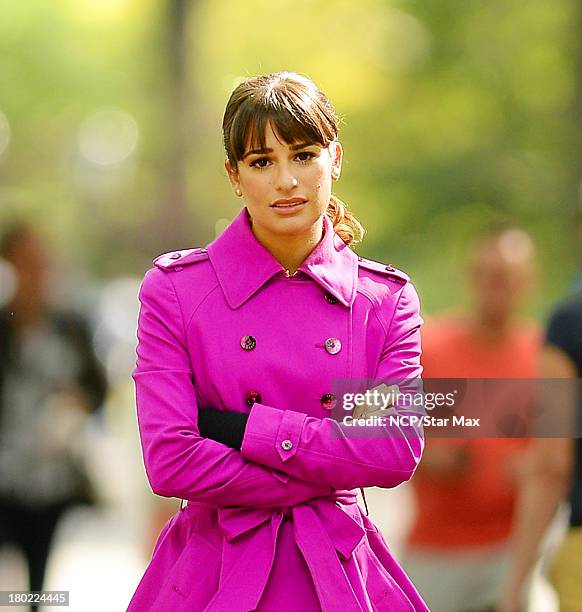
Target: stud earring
(238, 192)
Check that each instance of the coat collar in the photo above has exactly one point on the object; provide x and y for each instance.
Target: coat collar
(243, 265)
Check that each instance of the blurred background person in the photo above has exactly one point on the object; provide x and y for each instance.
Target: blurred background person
(465, 489)
(460, 120)
(552, 472)
(50, 380)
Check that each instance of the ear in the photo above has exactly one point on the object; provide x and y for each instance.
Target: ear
(232, 174)
(336, 153)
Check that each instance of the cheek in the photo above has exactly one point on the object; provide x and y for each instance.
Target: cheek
(322, 178)
(256, 185)
(324, 187)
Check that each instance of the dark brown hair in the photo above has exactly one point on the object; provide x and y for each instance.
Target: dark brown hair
(300, 112)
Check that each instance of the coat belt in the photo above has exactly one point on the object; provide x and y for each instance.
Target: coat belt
(324, 532)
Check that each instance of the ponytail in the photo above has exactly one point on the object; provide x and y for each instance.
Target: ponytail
(345, 224)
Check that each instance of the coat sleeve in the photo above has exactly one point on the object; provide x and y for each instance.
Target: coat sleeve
(329, 452)
(178, 461)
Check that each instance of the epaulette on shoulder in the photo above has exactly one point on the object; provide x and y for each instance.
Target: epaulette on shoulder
(381, 268)
(176, 259)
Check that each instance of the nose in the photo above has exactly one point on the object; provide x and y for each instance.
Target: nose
(285, 180)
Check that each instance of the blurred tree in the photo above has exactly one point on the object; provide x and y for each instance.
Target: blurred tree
(171, 226)
(454, 114)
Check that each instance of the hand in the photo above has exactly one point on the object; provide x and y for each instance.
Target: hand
(510, 600)
(374, 409)
(509, 608)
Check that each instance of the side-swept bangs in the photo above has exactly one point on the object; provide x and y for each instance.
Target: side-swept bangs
(295, 116)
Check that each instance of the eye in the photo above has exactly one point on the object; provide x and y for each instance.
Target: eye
(305, 156)
(260, 162)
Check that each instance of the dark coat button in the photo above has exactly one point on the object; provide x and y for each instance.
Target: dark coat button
(331, 298)
(252, 397)
(328, 401)
(248, 343)
(333, 346)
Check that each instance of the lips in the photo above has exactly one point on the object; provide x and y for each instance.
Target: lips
(288, 203)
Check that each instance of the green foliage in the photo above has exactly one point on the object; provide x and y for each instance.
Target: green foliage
(454, 114)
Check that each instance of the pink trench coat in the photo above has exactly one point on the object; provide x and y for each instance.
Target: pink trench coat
(276, 525)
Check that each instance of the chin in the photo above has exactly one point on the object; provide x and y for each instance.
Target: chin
(288, 226)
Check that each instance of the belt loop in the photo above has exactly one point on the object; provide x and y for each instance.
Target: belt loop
(365, 502)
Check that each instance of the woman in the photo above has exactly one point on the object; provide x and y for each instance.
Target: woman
(50, 381)
(257, 327)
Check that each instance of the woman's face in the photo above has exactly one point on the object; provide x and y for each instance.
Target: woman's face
(286, 188)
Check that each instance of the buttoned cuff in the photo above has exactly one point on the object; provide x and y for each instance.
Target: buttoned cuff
(272, 436)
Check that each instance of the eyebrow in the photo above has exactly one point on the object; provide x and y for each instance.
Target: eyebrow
(294, 147)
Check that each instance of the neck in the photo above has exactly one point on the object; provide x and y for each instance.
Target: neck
(290, 251)
(491, 328)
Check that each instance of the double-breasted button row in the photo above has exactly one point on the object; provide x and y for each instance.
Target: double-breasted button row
(327, 400)
(332, 345)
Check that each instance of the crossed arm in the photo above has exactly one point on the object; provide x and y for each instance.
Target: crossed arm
(180, 462)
